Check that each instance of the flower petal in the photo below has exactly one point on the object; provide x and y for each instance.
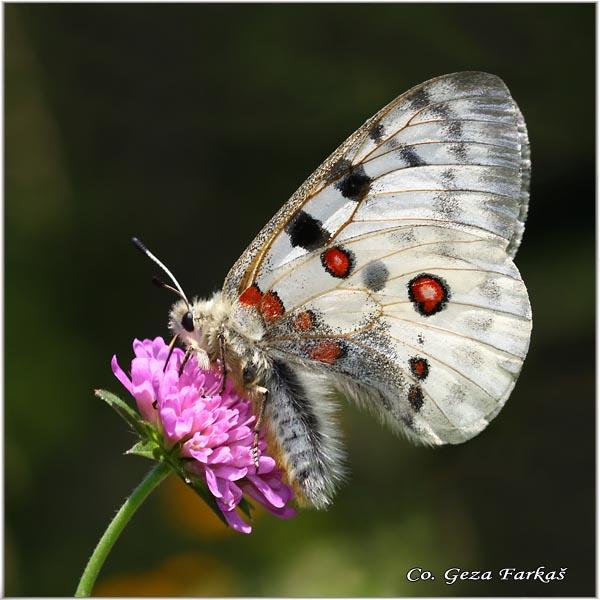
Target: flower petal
(265, 465)
(145, 398)
(229, 473)
(235, 521)
(213, 485)
(285, 512)
(220, 455)
(267, 491)
(120, 375)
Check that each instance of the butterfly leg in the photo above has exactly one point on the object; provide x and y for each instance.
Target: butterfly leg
(222, 360)
(186, 357)
(171, 348)
(257, 425)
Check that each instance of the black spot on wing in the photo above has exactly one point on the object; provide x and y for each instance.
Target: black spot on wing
(355, 185)
(339, 168)
(453, 130)
(375, 276)
(376, 132)
(307, 232)
(447, 205)
(409, 155)
(448, 178)
(415, 397)
(440, 110)
(420, 99)
(459, 151)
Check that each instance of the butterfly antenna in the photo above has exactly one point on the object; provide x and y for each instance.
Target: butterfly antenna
(177, 289)
(161, 284)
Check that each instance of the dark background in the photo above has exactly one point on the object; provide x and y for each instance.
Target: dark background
(190, 125)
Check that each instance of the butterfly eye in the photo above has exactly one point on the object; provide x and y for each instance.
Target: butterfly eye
(187, 322)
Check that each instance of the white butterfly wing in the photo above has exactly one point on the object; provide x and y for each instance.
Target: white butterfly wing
(473, 347)
(390, 269)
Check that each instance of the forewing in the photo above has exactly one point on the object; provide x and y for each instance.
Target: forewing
(417, 142)
(390, 267)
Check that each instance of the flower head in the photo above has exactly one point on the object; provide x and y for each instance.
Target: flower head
(213, 430)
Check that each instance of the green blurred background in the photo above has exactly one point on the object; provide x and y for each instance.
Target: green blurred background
(189, 125)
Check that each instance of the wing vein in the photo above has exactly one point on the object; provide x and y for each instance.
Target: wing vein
(454, 302)
(455, 333)
(408, 167)
(412, 144)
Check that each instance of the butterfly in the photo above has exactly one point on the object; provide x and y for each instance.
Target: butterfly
(388, 276)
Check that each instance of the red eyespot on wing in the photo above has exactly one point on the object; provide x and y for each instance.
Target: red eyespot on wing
(429, 293)
(251, 296)
(304, 321)
(271, 306)
(327, 352)
(419, 367)
(337, 262)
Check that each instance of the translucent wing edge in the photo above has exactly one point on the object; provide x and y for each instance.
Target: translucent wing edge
(515, 242)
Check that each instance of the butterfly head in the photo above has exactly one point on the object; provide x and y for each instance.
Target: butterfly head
(199, 322)
(182, 318)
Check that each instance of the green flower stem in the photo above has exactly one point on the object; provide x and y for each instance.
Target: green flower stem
(141, 492)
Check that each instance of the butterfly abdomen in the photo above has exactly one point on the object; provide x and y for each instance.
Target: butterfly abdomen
(300, 427)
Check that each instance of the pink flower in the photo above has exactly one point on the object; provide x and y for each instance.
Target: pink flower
(215, 429)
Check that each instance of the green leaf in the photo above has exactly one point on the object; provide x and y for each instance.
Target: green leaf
(130, 416)
(146, 448)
